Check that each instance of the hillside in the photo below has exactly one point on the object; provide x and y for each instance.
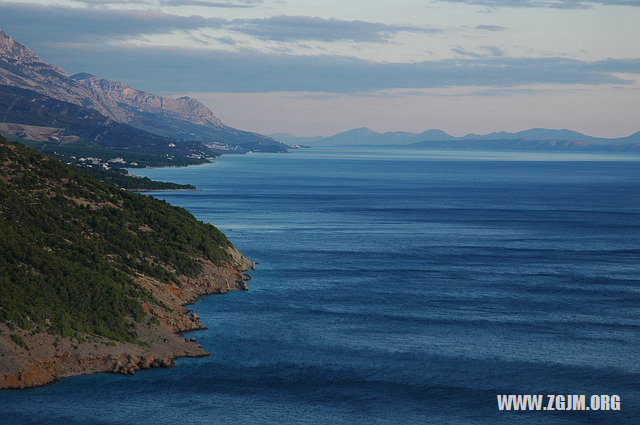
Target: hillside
(184, 120)
(92, 277)
(66, 126)
(121, 178)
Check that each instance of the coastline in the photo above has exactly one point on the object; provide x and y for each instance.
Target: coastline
(50, 357)
(159, 190)
(42, 358)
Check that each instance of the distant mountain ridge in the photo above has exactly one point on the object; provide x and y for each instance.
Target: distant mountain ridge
(366, 136)
(182, 119)
(568, 139)
(537, 134)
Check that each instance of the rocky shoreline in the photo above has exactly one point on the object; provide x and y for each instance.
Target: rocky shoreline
(44, 357)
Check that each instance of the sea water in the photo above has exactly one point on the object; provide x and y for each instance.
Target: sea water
(396, 286)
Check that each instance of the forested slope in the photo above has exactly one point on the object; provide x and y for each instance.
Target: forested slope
(74, 252)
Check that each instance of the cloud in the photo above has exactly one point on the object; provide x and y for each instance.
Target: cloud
(493, 51)
(245, 70)
(110, 2)
(227, 40)
(484, 52)
(492, 28)
(234, 4)
(467, 53)
(75, 38)
(238, 4)
(553, 4)
(35, 23)
(290, 28)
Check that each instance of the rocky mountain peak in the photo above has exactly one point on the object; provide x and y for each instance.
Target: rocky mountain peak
(21, 67)
(82, 76)
(183, 119)
(10, 49)
(14, 53)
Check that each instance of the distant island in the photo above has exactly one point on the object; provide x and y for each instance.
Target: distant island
(93, 278)
(533, 139)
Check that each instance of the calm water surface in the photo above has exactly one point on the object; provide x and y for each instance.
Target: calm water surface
(396, 287)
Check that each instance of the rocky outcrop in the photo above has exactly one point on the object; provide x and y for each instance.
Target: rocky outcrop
(31, 115)
(183, 119)
(184, 108)
(45, 357)
(21, 67)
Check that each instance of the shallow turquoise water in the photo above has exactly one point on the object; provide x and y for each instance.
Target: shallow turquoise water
(396, 286)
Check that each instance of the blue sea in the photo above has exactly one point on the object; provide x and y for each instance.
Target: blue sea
(396, 287)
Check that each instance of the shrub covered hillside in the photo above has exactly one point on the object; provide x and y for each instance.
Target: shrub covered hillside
(71, 244)
(123, 180)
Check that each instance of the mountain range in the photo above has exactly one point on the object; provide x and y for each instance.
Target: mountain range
(537, 138)
(82, 113)
(123, 116)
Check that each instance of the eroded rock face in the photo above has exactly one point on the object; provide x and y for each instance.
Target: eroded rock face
(183, 119)
(31, 376)
(10, 49)
(21, 67)
(129, 364)
(45, 372)
(50, 357)
(184, 108)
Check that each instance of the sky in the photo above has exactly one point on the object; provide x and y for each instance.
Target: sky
(318, 67)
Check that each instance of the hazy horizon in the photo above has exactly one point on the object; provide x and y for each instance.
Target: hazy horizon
(516, 130)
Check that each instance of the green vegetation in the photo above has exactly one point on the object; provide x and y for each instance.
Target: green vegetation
(87, 132)
(71, 246)
(19, 341)
(120, 178)
(86, 150)
(117, 176)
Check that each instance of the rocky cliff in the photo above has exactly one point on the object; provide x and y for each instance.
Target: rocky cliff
(41, 358)
(182, 119)
(20, 67)
(184, 108)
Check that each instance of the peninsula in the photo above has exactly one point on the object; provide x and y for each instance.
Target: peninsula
(94, 278)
